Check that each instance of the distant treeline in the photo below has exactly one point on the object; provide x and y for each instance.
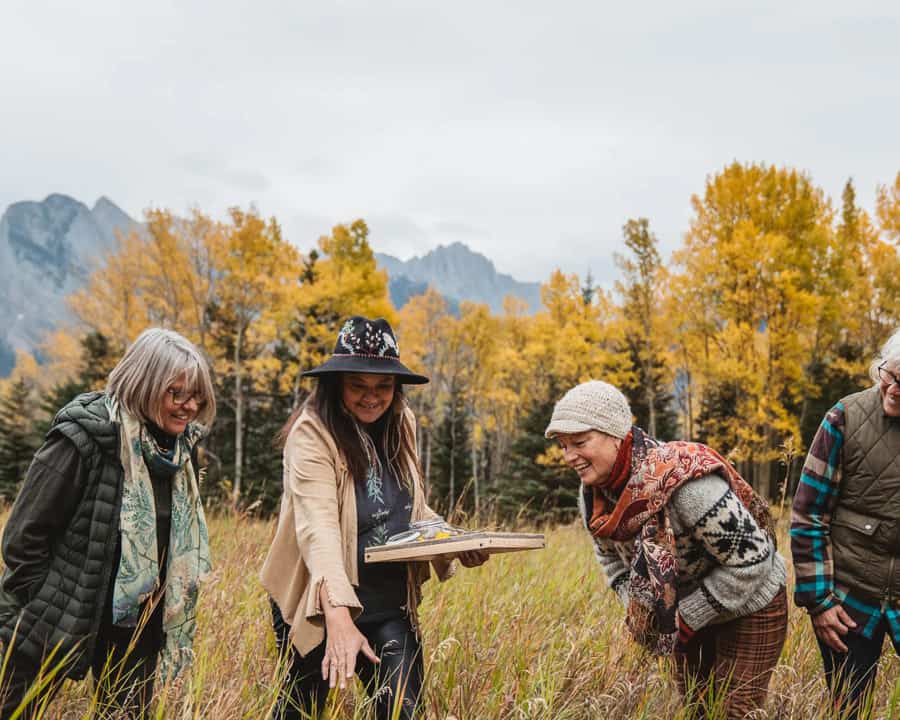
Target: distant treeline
(769, 312)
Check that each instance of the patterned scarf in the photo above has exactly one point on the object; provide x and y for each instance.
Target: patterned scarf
(640, 513)
(188, 560)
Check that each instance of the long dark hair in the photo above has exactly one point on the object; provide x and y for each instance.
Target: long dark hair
(363, 447)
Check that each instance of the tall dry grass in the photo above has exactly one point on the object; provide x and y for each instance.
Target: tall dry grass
(528, 635)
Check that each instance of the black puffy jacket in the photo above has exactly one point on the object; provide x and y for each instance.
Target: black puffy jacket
(62, 605)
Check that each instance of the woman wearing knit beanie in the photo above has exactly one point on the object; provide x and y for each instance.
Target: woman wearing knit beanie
(684, 542)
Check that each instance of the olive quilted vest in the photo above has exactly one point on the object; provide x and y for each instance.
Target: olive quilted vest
(865, 527)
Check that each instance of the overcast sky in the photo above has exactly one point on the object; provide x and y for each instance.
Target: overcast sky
(529, 130)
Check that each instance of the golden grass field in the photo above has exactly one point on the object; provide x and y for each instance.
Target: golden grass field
(528, 635)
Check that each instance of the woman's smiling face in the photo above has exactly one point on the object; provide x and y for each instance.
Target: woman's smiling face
(367, 396)
(179, 407)
(591, 454)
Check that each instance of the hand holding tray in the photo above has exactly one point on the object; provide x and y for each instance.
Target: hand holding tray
(434, 538)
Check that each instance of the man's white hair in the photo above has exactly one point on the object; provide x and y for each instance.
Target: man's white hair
(890, 354)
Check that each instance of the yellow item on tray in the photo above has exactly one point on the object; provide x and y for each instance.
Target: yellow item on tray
(435, 528)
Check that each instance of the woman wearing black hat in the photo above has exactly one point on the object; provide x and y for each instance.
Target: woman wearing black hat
(351, 479)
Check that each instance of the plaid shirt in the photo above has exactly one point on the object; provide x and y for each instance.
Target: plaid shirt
(816, 498)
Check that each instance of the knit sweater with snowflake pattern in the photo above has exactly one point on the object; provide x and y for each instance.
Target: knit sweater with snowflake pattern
(727, 566)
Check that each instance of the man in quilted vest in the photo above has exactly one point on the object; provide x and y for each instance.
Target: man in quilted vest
(845, 533)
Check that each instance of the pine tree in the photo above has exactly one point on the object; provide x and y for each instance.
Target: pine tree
(17, 437)
(645, 336)
(537, 485)
(717, 408)
(7, 358)
(451, 460)
(588, 289)
(652, 387)
(98, 357)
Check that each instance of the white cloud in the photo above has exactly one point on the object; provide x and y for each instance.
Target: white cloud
(529, 131)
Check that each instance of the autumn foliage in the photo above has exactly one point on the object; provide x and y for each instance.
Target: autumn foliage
(768, 312)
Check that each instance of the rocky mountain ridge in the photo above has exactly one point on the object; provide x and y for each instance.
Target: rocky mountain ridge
(47, 250)
(458, 273)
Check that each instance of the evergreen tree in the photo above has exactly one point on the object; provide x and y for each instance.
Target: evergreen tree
(641, 289)
(7, 358)
(451, 459)
(98, 357)
(717, 408)
(653, 386)
(17, 436)
(588, 289)
(538, 485)
(267, 411)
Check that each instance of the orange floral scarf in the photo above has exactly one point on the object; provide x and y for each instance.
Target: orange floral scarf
(646, 477)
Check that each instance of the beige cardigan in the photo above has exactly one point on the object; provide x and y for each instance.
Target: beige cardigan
(316, 538)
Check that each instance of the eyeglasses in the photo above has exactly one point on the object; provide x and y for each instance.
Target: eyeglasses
(887, 376)
(182, 397)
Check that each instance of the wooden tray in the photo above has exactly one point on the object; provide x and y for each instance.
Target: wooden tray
(490, 542)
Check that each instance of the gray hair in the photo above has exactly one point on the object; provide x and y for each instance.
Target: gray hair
(150, 365)
(890, 353)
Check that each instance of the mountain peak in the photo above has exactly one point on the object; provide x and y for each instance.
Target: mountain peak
(458, 273)
(458, 246)
(59, 199)
(47, 250)
(111, 219)
(104, 203)
(459, 249)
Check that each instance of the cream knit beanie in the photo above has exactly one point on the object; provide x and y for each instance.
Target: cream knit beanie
(593, 405)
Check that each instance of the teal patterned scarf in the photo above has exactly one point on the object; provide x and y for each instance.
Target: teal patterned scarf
(188, 560)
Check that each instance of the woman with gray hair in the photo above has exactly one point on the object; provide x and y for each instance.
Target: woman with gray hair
(845, 532)
(684, 542)
(107, 543)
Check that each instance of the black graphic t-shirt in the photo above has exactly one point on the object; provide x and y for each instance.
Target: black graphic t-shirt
(383, 508)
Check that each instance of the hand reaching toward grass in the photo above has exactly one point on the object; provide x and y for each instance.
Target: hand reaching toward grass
(343, 643)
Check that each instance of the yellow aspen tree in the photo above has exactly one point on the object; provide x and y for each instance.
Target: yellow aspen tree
(162, 274)
(511, 389)
(257, 268)
(888, 209)
(339, 280)
(112, 302)
(572, 340)
(751, 269)
(479, 331)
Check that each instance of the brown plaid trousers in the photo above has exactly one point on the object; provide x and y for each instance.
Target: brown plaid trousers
(738, 656)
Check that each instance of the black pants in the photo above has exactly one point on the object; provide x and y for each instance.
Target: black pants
(399, 675)
(124, 679)
(852, 674)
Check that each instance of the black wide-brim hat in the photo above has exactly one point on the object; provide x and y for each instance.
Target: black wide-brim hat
(367, 346)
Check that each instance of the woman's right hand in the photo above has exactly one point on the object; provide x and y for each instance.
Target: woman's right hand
(343, 642)
(831, 625)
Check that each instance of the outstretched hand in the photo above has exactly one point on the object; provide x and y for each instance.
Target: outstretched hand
(343, 643)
